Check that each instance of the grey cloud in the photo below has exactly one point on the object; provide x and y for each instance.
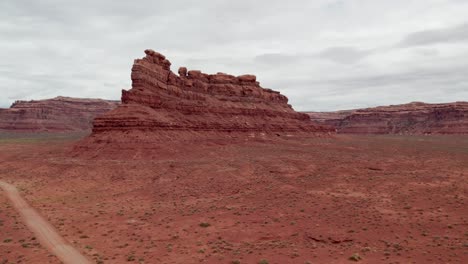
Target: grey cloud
(441, 77)
(430, 85)
(435, 36)
(322, 54)
(277, 58)
(344, 54)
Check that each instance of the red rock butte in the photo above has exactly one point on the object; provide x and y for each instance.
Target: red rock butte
(164, 106)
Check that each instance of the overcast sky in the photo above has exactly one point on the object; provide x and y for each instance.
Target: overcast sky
(322, 54)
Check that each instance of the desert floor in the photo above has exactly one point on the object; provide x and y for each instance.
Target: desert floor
(380, 199)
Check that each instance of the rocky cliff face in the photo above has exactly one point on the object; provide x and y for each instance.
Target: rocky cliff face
(164, 106)
(331, 119)
(60, 114)
(412, 118)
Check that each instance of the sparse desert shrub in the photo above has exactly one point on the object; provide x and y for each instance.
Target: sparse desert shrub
(205, 224)
(130, 257)
(355, 257)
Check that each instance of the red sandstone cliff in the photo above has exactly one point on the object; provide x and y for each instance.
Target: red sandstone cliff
(60, 114)
(412, 118)
(164, 106)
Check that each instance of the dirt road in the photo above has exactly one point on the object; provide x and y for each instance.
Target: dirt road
(44, 231)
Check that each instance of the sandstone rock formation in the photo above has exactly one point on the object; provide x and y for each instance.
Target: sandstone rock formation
(60, 114)
(331, 119)
(412, 118)
(164, 106)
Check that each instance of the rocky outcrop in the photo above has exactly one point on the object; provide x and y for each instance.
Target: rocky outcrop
(331, 119)
(164, 106)
(60, 114)
(412, 118)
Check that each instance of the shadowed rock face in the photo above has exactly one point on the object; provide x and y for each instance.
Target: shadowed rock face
(412, 118)
(163, 105)
(60, 114)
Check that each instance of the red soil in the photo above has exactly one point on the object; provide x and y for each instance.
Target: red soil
(17, 243)
(389, 199)
(44, 231)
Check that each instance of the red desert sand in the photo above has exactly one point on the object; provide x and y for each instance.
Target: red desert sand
(42, 229)
(380, 199)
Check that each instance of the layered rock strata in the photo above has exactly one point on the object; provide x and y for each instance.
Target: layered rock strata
(163, 105)
(60, 114)
(412, 118)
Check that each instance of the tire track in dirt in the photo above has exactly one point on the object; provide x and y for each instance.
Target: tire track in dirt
(44, 231)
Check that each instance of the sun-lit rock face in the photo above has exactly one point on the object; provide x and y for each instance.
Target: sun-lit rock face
(163, 105)
(60, 114)
(412, 118)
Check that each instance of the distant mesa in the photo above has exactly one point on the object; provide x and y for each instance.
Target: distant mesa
(412, 118)
(60, 114)
(164, 106)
